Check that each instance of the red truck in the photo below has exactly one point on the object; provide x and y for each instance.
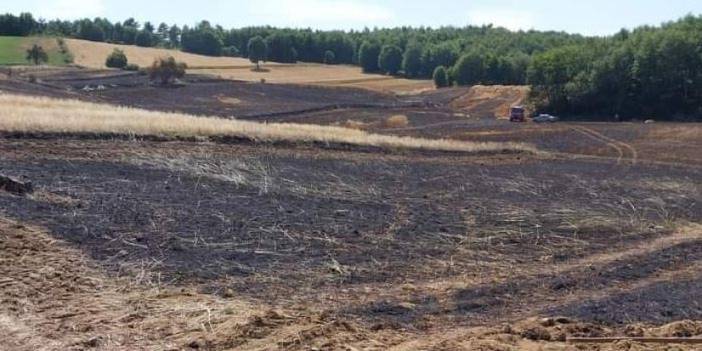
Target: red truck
(517, 114)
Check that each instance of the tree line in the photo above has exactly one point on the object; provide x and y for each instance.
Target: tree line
(649, 71)
(496, 54)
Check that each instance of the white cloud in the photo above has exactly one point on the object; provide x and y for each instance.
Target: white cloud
(326, 13)
(71, 9)
(503, 17)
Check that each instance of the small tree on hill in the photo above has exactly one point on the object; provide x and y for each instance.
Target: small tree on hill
(166, 70)
(117, 59)
(329, 57)
(257, 51)
(390, 59)
(37, 55)
(441, 79)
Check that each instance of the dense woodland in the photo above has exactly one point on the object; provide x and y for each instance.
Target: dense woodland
(650, 71)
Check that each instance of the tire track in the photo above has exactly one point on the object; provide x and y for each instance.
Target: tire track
(622, 148)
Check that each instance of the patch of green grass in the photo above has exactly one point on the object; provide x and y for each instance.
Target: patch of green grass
(13, 50)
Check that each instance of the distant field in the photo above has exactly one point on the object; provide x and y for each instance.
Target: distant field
(13, 50)
(93, 54)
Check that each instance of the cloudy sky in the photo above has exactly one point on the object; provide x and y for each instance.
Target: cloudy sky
(586, 17)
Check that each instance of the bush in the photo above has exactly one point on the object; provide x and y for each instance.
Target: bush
(166, 70)
(117, 59)
(329, 57)
(231, 51)
(37, 55)
(390, 59)
(131, 67)
(368, 56)
(441, 79)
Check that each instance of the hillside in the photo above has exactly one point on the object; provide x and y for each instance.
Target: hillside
(92, 55)
(13, 50)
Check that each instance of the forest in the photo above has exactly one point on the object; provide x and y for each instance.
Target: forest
(648, 71)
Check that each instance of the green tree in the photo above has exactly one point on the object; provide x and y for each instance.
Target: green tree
(470, 69)
(368, 56)
(144, 39)
(166, 70)
(117, 59)
(257, 51)
(280, 48)
(37, 55)
(390, 59)
(201, 40)
(329, 57)
(174, 36)
(412, 61)
(441, 79)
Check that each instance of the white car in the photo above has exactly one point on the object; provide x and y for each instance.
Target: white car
(545, 118)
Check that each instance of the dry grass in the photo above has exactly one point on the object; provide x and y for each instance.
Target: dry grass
(318, 74)
(396, 121)
(44, 115)
(93, 54)
(353, 124)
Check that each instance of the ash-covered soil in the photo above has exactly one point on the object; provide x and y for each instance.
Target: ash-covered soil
(387, 240)
(185, 245)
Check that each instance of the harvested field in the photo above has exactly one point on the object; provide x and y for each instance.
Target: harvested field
(92, 55)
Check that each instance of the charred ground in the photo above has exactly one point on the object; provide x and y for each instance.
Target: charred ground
(357, 248)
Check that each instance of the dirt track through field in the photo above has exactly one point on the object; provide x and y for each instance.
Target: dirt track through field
(622, 148)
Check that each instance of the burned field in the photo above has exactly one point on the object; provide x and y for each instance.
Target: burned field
(134, 244)
(403, 242)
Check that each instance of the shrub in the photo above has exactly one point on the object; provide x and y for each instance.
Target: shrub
(390, 59)
(166, 70)
(329, 57)
(368, 56)
(131, 67)
(37, 55)
(441, 79)
(231, 51)
(117, 59)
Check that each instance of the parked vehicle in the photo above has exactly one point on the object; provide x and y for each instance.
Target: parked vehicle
(517, 114)
(545, 118)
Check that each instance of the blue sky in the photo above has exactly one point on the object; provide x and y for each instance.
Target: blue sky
(593, 17)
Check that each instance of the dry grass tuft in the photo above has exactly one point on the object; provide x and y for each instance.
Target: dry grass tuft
(353, 124)
(23, 114)
(396, 121)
